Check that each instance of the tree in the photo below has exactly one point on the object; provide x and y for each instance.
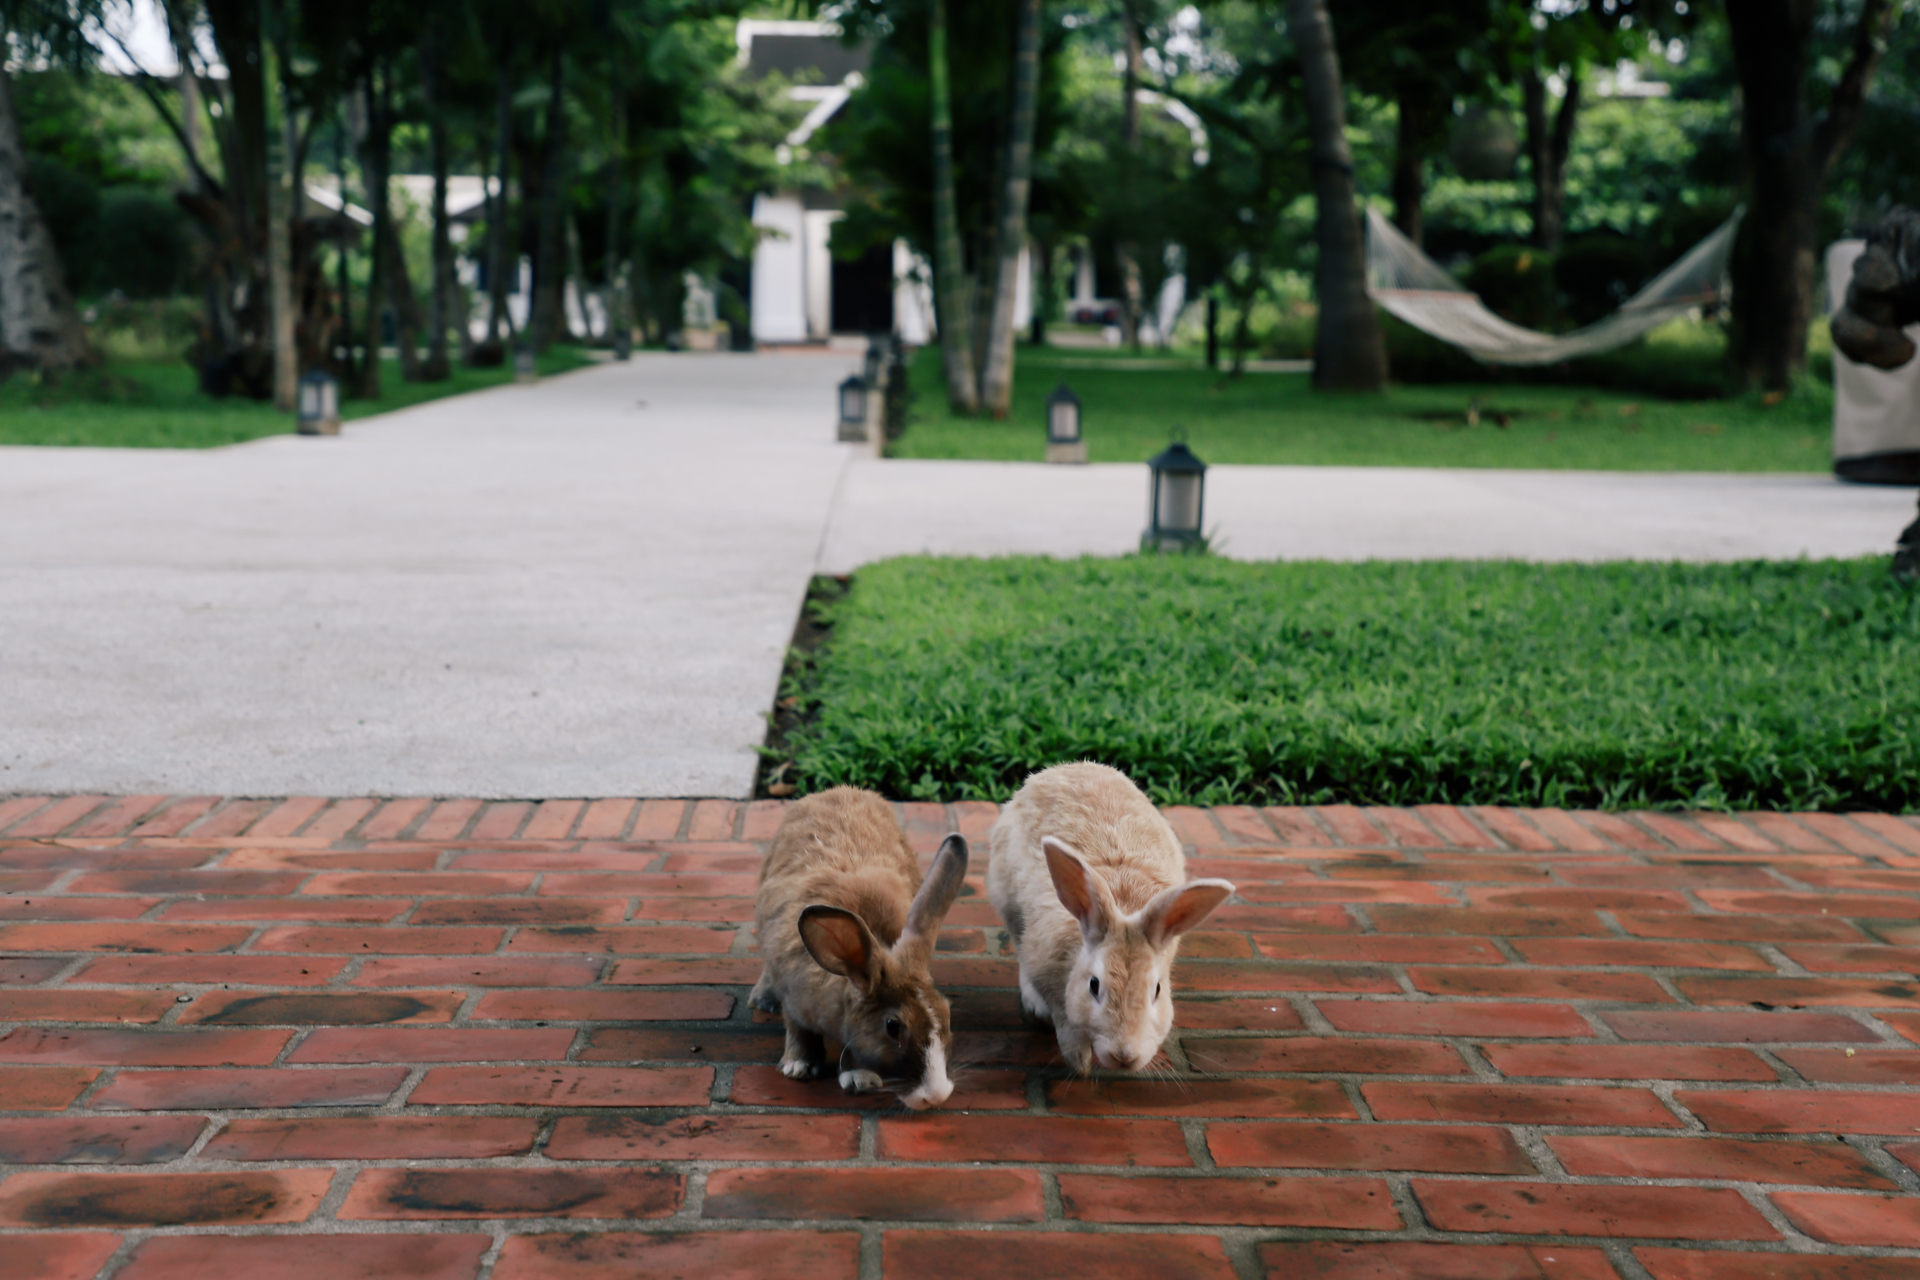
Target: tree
(1789, 154)
(1349, 351)
(952, 294)
(39, 326)
(996, 374)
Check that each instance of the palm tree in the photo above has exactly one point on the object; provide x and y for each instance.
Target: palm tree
(952, 288)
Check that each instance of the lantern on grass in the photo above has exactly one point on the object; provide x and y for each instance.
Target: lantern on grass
(1176, 498)
(853, 408)
(622, 342)
(524, 368)
(1063, 427)
(318, 404)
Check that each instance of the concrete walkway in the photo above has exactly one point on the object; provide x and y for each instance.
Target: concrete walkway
(586, 587)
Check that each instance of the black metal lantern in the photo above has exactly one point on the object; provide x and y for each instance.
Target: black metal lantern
(318, 404)
(878, 353)
(1063, 427)
(622, 342)
(524, 368)
(853, 408)
(1176, 497)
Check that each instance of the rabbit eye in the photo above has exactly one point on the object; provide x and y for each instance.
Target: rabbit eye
(893, 1028)
(1093, 985)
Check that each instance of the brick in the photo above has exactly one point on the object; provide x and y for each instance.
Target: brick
(247, 1090)
(1636, 875)
(161, 1199)
(1359, 1204)
(1404, 828)
(65, 857)
(18, 807)
(1296, 827)
(392, 818)
(1710, 1026)
(522, 911)
(1858, 878)
(926, 1195)
(1859, 993)
(945, 1255)
(277, 910)
(414, 858)
(176, 817)
(432, 1044)
(1907, 1153)
(330, 1257)
(1227, 1015)
(1619, 830)
(155, 1047)
(404, 940)
(1784, 831)
(448, 819)
(97, 1139)
(1737, 831)
(43, 1088)
(625, 940)
(339, 818)
(439, 1194)
(1201, 944)
(705, 1137)
(1627, 1062)
(975, 818)
(564, 1086)
(287, 817)
(1304, 1099)
(1565, 830)
(1420, 1148)
(622, 1044)
(1826, 1164)
(545, 972)
(762, 819)
(1865, 1066)
(116, 817)
(1265, 975)
(56, 817)
(1907, 1024)
(721, 1255)
(415, 883)
(1505, 871)
(1653, 955)
(1869, 906)
(1902, 835)
(552, 820)
(1677, 1264)
(603, 1006)
(215, 881)
(1545, 1208)
(27, 970)
(1439, 1018)
(1488, 922)
(1458, 830)
(1395, 892)
(65, 1004)
(1837, 1218)
(1378, 949)
(181, 938)
(1843, 832)
(737, 911)
(382, 1137)
(756, 1085)
(47, 908)
(1678, 832)
(953, 1138)
(1326, 1054)
(322, 1008)
(650, 884)
(500, 821)
(1243, 824)
(661, 819)
(1349, 825)
(1519, 1104)
(713, 820)
(1406, 1260)
(1545, 984)
(244, 970)
(1513, 827)
(59, 1256)
(713, 972)
(1750, 928)
(229, 819)
(1804, 1111)
(1253, 870)
(1582, 898)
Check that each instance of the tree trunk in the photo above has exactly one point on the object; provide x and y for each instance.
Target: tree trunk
(1549, 143)
(1042, 293)
(39, 326)
(1124, 252)
(1421, 113)
(282, 207)
(438, 366)
(549, 319)
(499, 317)
(996, 377)
(1213, 332)
(1348, 351)
(952, 295)
(374, 160)
(1788, 157)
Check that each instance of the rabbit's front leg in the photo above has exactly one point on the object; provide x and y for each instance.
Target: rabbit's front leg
(806, 1053)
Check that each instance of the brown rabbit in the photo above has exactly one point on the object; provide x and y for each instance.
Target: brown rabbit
(1093, 886)
(847, 930)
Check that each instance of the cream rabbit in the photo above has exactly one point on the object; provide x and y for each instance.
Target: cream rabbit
(1092, 884)
(847, 930)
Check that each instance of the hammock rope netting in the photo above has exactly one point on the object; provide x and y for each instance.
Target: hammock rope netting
(1420, 291)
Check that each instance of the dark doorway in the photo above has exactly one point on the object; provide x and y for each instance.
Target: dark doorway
(863, 292)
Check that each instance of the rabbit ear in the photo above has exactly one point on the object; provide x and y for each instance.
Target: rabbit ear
(937, 891)
(1174, 911)
(1082, 892)
(841, 942)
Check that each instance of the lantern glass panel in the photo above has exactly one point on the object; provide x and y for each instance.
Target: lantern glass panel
(853, 400)
(1179, 503)
(309, 398)
(1063, 422)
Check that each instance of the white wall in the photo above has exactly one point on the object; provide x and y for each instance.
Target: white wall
(779, 270)
(913, 315)
(819, 271)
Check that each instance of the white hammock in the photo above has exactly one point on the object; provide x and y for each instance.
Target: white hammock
(1418, 290)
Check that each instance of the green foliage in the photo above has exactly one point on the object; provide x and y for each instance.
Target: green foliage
(1627, 685)
(1595, 415)
(1516, 281)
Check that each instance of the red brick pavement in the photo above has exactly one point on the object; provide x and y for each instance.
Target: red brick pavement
(464, 1040)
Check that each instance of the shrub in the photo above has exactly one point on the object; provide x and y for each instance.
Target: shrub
(1516, 281)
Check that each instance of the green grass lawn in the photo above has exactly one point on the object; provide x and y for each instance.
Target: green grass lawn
(1209, 681)
(1130, 414)
(158, 405)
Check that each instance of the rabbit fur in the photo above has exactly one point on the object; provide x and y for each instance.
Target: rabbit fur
(1092, 884)
(847, 931)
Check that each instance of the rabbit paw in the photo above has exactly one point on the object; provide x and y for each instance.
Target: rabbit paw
(861, 1081)
(762, 997)
(799, 1069)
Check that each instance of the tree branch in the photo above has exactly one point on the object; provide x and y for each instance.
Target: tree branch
(1835, 128)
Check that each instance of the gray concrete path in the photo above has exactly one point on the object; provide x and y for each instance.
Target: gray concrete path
(585, 588)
